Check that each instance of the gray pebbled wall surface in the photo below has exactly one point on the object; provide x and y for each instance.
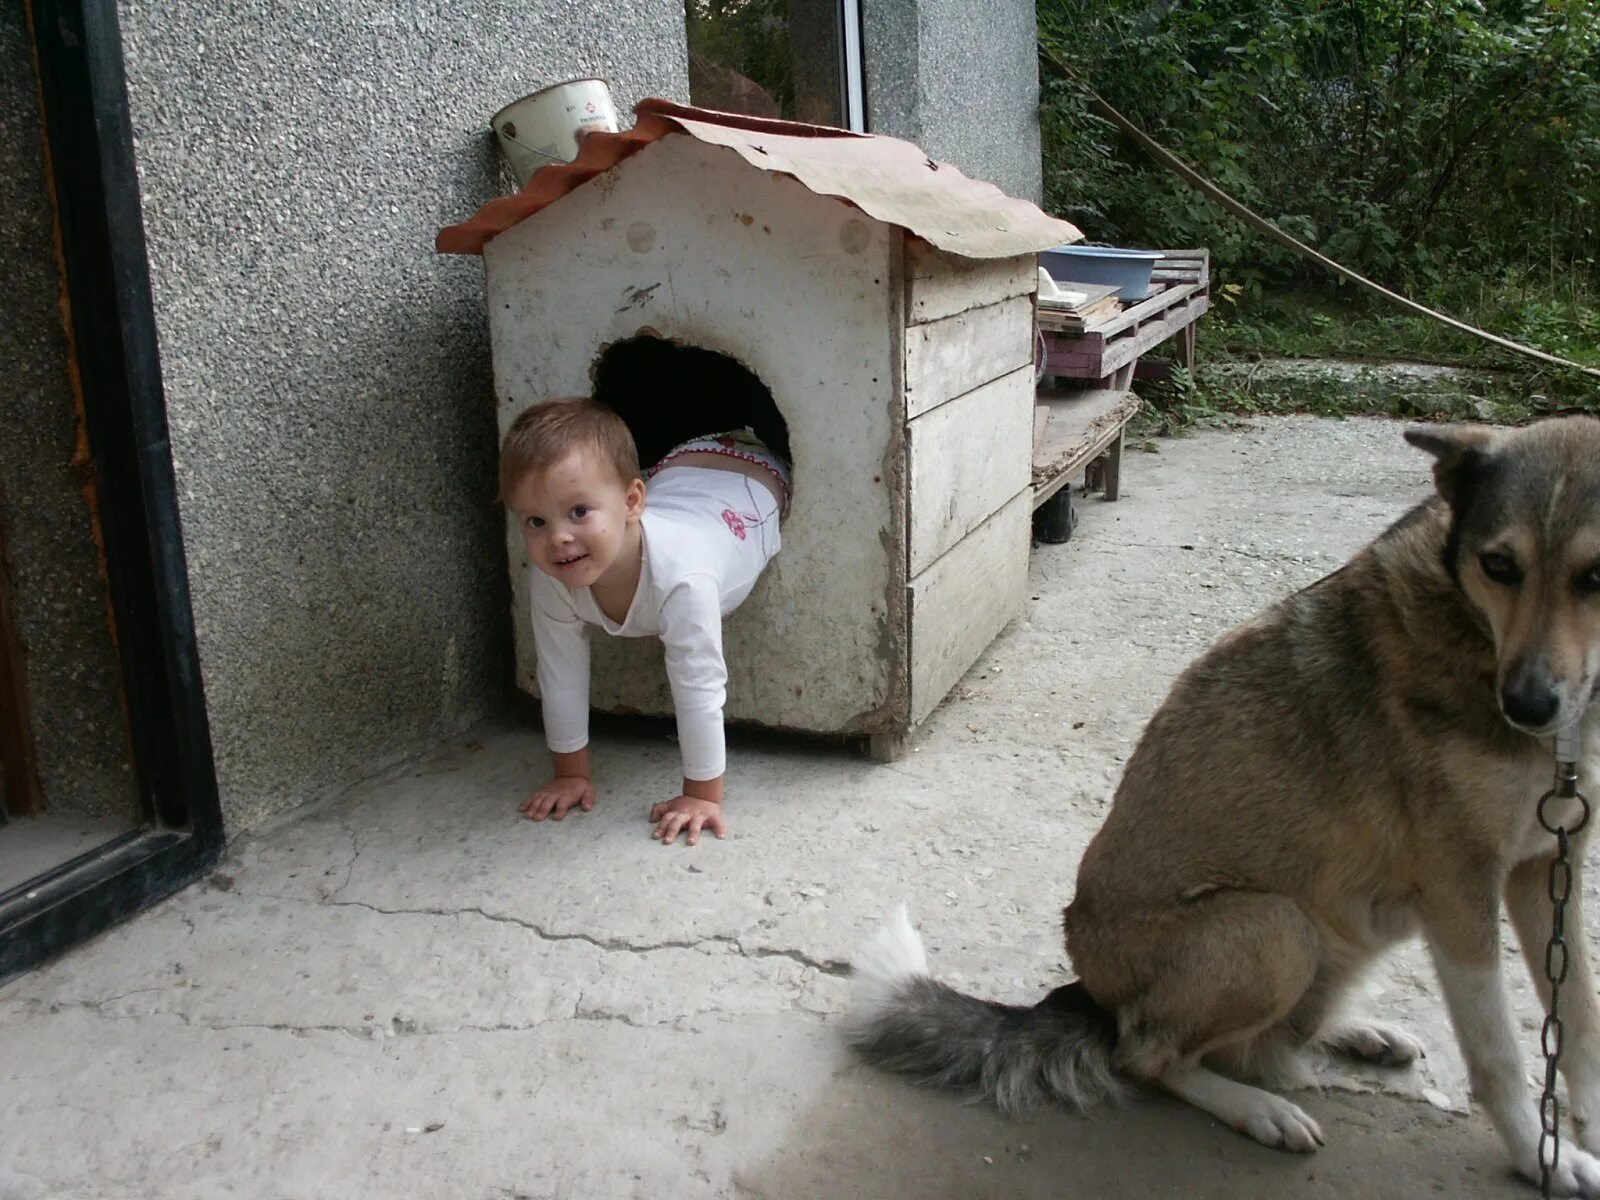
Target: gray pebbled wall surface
(56, 590)
(327, 374)
(962, 81)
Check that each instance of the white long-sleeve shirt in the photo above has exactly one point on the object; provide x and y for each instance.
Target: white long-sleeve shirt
(707, 536)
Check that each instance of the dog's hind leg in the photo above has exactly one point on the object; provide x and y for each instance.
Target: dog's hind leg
(1373, 1041)
(1278, 1058)
(1225, 969)
(1323, 1021)
(1274, 1058)
(1528, 904)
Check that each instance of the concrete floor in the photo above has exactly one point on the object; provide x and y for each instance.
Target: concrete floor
(408, 992)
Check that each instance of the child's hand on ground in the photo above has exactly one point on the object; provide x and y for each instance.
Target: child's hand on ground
(687, 814)
(557, 796)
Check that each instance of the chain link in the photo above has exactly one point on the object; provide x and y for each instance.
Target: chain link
(1555, 962)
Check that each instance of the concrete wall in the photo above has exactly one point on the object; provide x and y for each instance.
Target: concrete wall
(58, 595)
(327, 375)
(962, 81)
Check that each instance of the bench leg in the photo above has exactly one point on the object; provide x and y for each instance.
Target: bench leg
(1186, 345)
(1113, 468)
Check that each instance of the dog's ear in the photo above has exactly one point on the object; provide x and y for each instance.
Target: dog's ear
(1456, 450)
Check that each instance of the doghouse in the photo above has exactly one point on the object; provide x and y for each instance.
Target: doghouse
(869, 312)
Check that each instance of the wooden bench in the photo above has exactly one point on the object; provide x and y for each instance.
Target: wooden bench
(1084, 405)
(1107, 351)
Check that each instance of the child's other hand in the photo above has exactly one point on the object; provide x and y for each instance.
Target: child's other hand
(557, 796)
(687, 814)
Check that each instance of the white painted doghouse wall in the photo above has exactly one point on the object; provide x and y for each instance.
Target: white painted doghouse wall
(905, 378)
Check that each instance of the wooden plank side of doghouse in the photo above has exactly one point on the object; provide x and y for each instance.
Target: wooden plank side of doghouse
(961, 602)
(966, 460)
(950, 357)
(942, 285)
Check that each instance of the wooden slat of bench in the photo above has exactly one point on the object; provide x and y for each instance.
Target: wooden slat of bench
(1065, 358)
(1177, 266)
(1143, 311)
(1082, 424)
(1151, 335)
(1095, 335)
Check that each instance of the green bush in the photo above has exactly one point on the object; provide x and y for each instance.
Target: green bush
(1429, 144)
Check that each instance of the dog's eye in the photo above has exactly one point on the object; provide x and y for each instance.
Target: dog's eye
(1589, 581)
(1501, 568)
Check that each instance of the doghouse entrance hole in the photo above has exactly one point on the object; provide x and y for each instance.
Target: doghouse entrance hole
(669, 393)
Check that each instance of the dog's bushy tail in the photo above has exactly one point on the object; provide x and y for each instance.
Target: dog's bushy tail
(904, 1020)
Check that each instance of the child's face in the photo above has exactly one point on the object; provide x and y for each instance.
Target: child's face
(575, 517)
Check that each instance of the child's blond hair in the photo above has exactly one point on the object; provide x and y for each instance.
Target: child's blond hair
(542, 435)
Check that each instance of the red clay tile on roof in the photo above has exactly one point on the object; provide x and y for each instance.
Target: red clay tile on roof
(890, 180)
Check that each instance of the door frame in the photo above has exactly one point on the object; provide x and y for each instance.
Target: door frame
(854, 72)
(111, 330)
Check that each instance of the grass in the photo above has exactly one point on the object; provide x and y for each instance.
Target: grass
(1222, 391)
(1346, 325)
(1240, 339)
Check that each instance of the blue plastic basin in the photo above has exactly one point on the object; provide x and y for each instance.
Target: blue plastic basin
(1128, 269)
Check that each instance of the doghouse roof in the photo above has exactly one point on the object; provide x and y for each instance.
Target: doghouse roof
(890, 180)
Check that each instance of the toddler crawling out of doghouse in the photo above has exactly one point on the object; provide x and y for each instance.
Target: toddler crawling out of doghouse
(666, 560)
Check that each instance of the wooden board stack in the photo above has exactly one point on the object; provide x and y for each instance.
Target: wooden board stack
(1098, 303)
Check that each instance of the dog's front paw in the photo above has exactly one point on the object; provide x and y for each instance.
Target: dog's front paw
(1376, 1042)
(1577, 1174)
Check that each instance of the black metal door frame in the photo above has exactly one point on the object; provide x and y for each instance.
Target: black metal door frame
(112, 329)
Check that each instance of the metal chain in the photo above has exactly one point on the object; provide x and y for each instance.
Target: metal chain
(1555, 962)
